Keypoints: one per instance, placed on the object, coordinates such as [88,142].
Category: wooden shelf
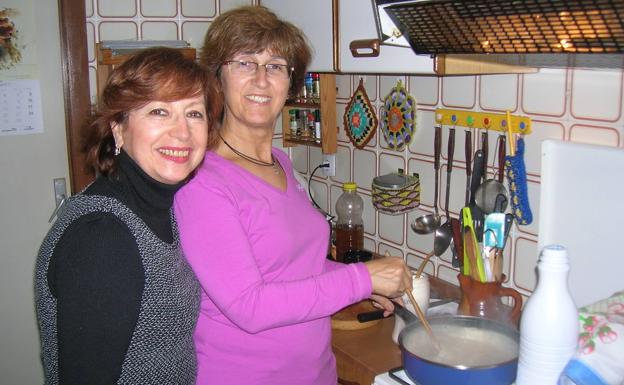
[327,106]
[108,58]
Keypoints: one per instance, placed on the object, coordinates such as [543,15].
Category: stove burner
[400,376]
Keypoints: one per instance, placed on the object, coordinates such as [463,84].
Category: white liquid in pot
[462,346]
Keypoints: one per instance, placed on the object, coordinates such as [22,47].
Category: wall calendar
[20,107]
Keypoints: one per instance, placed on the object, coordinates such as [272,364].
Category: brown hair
[162,74]
[255,29]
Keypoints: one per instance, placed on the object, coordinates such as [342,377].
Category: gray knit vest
[161,350]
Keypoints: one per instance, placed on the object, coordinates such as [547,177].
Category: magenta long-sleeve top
[268,288]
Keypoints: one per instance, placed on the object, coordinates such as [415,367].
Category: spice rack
[325,104]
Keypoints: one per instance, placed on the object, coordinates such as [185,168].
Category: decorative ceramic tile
[159,30]
[369,244]
[316,158]
[533,143]
[422,243]
[342,135]
[605,136]
[596,95]
[89,8]
[368,214]
[320,192]
[459,91]
[544,93]
[160,8]
[116,8]
[425,89]
[448,274]
[91,42]
[343,165]
[382,248]
[414,261]
[390,162]
[422,144]
[498,92]
[334,192]
[364,170]
[391,227]
[117,30]
[427,177]
[92,85]
[198,8]
[525,261]
[226,5]
[193,32]
[457,191]
[299,155]
[386,83]
[370,84]
[343,87]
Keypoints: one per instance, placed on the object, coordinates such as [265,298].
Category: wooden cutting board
[346,319]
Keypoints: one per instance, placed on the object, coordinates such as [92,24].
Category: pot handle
[517,297]
[407,316]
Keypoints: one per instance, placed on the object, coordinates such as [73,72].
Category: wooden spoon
[423,319]
[423,263]
[420,314]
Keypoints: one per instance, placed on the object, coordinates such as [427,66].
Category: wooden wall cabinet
[337,28]
[326,104]
[107,59]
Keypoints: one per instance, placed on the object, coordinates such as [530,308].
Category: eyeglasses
[244,67]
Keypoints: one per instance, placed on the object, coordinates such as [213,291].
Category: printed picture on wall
[10,53]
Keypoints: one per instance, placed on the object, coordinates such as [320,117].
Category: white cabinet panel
[357,22]
[315,19]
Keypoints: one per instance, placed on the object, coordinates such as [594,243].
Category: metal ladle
[444,233]
[426,224]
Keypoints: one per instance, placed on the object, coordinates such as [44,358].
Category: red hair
[154,74]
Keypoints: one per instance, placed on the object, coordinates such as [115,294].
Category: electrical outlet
[331,159]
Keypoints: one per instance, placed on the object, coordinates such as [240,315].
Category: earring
[117,150]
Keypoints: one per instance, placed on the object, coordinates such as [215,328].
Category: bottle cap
[554,254]
[349,186]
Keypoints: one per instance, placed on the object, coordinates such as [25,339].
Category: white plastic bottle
[549,325]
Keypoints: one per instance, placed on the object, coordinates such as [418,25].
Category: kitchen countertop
[362,354]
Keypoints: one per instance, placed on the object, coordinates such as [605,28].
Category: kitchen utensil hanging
[514,162]
[398,117]
[516,177]
[426,224]
[360,120]
[490,192]
[444,233]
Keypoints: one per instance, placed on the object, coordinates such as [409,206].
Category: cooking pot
[473,350]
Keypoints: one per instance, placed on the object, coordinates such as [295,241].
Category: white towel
[600,356]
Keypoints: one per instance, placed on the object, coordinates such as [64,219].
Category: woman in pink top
[249,232]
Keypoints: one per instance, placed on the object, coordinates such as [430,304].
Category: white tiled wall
[569,104]
[578,105]
[150,20]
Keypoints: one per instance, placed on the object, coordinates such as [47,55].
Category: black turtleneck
[97,276]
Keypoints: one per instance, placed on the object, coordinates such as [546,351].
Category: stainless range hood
[555,33]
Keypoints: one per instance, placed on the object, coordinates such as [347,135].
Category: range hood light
[509,26]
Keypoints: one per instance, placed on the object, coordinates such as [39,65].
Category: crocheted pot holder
[359,118]
[398,117]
